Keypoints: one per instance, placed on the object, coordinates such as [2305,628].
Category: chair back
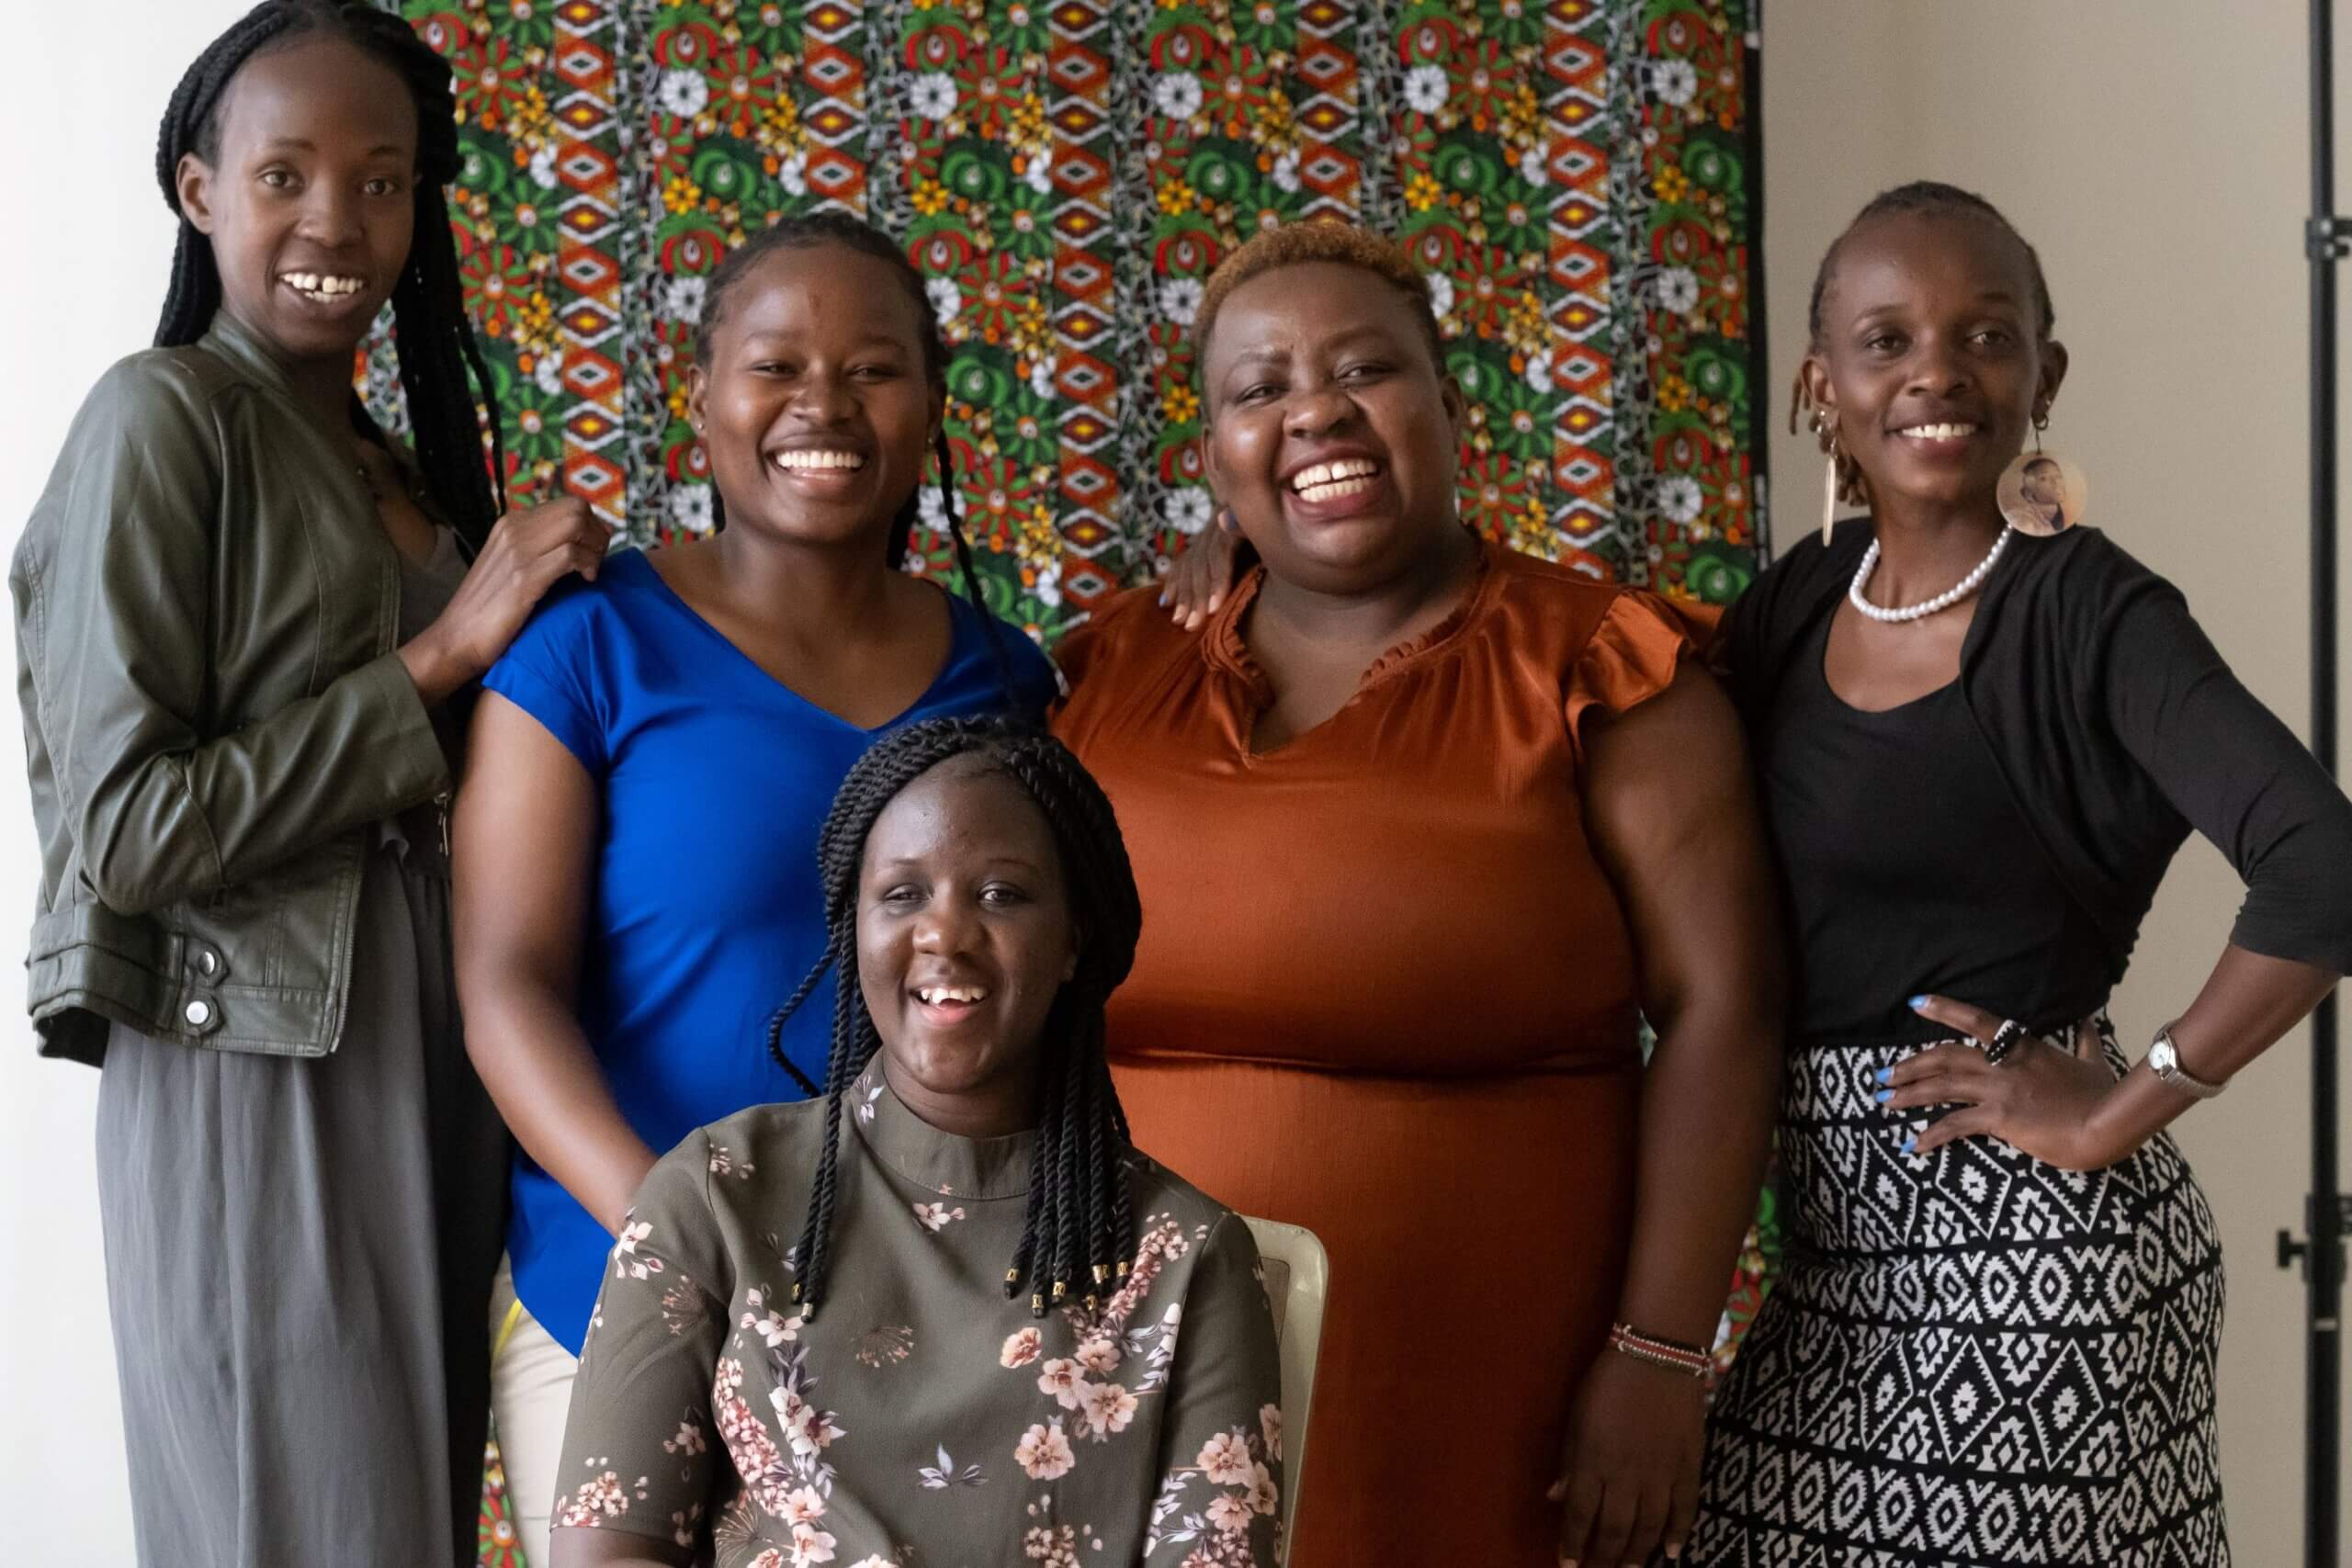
[1298,1278]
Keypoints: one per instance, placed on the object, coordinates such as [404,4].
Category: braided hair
[436,342]
[807,230]
[1080,1221]
[1924,198]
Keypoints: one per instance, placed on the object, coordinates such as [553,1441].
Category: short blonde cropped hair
[1319,240]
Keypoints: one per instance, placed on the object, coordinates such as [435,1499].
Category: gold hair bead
[1013,1276]
[1090,1301]
[1061,1289]
[1123,1267]
[1100,1273]
[1036,1306]
[795,1293]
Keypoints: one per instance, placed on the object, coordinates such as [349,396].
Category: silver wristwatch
[2164,1060]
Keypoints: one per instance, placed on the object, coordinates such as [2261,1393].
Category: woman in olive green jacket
[242,633]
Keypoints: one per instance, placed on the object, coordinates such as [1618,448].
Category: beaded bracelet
[1671,1354]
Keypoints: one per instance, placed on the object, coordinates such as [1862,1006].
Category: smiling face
[1333,434]
[815,404]
[964,940]
[1930,357]
[310,203]
[2040,483]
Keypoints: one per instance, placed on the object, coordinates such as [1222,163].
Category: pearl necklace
[1944,601]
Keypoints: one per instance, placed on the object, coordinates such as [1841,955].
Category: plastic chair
[1298,1276]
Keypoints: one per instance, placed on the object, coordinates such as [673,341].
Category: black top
[2115,727]
[1883,818]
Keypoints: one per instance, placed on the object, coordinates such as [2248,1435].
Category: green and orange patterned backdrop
[1579,179]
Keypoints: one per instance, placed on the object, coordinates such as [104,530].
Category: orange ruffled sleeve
[1635,653]
[1096,640]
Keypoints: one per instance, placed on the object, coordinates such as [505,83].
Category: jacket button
[199,1013]
[208,962]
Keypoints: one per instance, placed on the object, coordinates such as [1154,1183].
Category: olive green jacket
[206,609]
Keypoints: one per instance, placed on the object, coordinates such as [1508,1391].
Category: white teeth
[1333,491]
[322,285]
[1940,431]
[935,995]
[1323,475]
[799,462]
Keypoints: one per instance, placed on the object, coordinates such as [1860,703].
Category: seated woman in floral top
[972,1351]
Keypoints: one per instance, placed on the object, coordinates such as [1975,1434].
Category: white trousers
[530,1393]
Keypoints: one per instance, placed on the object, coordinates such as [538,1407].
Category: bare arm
[1673,819]
[2248,1006]
[523,841]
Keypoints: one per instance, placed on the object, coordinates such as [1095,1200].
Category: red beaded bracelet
[1671,1354]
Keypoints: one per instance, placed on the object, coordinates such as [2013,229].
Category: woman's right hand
[527,550]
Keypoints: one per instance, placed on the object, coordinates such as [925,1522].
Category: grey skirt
[299,1262]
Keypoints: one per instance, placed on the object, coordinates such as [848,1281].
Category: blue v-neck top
[715,779]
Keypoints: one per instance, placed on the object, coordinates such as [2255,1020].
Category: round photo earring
[2041,494]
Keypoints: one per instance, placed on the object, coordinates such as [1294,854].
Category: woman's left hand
[2041,1100]
[1628,1468]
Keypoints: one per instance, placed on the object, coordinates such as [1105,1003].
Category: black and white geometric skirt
[1971,1357]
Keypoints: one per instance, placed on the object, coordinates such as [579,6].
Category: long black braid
[1925,199]
[434,340]
[805,231]
[1081,1219]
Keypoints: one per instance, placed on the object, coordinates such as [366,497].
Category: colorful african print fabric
[1578,179]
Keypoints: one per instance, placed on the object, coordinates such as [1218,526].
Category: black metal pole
[2322,1253]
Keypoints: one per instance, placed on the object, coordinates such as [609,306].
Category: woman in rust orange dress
[1423,827]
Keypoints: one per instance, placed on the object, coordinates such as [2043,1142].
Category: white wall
[81,276]
[2153,151]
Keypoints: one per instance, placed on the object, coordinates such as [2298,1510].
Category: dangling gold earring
[2041,494]
[1825,426]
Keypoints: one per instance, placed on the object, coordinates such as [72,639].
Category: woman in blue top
[635,839]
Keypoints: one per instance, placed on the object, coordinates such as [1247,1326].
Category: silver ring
[2004,1039]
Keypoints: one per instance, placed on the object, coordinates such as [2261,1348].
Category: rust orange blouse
[1385,991]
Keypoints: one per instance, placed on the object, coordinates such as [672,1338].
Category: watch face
[2162,1060]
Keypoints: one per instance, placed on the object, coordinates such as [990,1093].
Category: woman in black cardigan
[1996,1336]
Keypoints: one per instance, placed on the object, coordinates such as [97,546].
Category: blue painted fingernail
[1886,1075]
[1918,1001]
[1164,596]
[1884,1095]
[1909,1144]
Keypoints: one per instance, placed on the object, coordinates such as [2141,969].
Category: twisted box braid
[1925,199]
[436,342]
[1081,1221]
[805,231]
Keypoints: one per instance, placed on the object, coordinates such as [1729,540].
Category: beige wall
[2153,151]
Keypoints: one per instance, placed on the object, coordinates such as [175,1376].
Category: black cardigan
[2117,726]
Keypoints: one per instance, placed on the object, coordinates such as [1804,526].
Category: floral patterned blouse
[922,1418]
